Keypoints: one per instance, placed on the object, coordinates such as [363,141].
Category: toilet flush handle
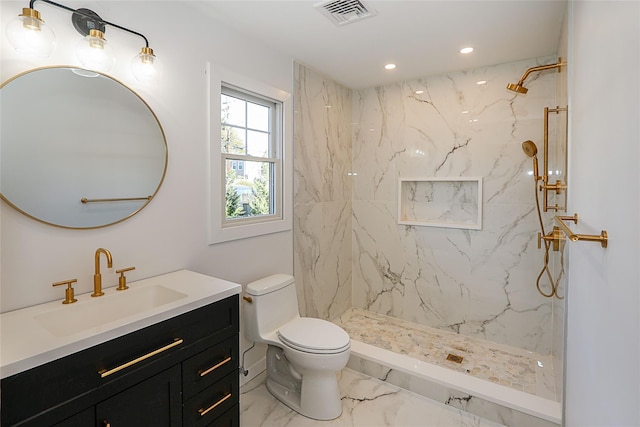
[247,299]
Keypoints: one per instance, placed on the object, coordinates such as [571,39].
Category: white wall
[603,330]
[170,233]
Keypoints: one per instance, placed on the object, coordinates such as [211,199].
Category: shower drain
[454,358]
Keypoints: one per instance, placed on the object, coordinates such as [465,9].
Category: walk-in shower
[410,295]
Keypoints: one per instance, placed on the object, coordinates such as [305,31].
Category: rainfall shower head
[529,148]
[519,88]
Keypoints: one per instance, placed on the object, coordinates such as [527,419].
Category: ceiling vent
[342,12]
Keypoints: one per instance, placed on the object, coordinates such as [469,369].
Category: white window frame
[221,229]
[273,157]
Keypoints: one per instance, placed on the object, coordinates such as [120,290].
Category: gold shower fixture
[519,88]
[545,187]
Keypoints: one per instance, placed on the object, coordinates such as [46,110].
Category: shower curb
[488,400]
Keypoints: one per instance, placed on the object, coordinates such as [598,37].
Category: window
[250,171]
[249,137]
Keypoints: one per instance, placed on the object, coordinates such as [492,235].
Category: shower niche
[454,202]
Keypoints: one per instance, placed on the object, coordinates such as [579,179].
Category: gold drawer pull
[104,373]
[203,412]
[214,367]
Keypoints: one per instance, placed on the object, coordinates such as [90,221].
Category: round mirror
[78,149]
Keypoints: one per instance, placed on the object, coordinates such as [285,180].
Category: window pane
[258,144]
[233,111]
[233,140]
[258,117]
[248,195]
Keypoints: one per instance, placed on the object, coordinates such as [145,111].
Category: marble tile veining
[514,368]
[366,402]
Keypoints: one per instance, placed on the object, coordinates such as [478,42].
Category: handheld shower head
[529,148]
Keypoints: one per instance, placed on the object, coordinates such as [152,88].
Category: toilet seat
[314,336]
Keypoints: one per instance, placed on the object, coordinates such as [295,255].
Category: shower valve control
[554,236]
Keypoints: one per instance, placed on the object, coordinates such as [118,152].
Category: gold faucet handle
[122,280]
[68,293]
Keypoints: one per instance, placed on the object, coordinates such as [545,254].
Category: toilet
[304,354]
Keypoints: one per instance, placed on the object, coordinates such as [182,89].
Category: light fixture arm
[94,18]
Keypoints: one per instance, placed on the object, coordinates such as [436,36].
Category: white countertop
[25,343]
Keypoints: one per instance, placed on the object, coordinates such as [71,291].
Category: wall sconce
[29,35]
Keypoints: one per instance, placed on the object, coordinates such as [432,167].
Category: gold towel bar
[119,199]
[603,238]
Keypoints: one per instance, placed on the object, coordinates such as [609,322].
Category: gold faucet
[97,277]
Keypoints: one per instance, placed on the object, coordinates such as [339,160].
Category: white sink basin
[73,318]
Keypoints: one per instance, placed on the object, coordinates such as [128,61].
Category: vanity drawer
[207,367]
[231,418]
[211,403]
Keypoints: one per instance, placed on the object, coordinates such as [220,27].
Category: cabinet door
[154,403]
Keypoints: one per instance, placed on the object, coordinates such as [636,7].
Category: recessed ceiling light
[466,50]
[418,92]
[390,66]
[481,82]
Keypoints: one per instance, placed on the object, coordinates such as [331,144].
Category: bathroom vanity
[172,363]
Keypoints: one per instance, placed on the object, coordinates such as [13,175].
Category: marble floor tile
[515,368]
[367,402]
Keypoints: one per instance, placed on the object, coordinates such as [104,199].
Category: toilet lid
[314,335]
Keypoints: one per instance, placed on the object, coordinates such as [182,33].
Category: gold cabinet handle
[105,373]
[203,411]
[214,367]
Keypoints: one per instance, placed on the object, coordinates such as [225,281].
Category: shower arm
[540,68]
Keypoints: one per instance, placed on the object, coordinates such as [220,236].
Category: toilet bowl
[304,354]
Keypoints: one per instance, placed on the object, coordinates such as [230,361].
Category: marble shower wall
[322,194]
[474,282]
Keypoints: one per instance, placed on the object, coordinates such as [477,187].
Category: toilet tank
[274,303]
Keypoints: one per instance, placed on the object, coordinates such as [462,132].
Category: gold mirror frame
[88,202]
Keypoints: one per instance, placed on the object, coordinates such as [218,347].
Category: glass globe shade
[94,53]
[145,66]
[29,35]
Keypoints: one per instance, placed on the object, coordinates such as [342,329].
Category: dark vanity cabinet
[180,372]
